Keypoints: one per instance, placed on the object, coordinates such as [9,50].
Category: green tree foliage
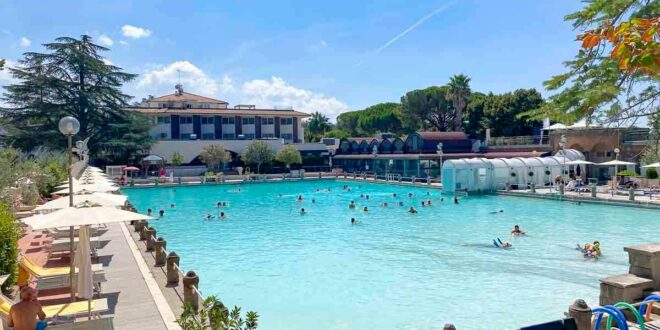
[499,112]
[602,82]
[348,122]
[337,133]
[257,152]
[213,315]
[213,155]
[126,141]
[289,155]
[458,92]
[651,173]
[9,235]
[25,178]
[380,118]
[70,79]
[428,108]
[316,126]
[176,159]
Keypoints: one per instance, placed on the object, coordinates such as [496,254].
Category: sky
[327,56]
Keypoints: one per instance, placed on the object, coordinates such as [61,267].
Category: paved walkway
[126,290]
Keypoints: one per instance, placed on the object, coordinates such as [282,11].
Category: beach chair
[103,323]
[57,277]
[53,312]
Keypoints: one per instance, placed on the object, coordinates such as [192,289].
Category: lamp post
[616,168]
[562,145]
[374,152]
[69,126]
[440,153]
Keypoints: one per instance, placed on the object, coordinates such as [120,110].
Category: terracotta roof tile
[219,112]
[186,97]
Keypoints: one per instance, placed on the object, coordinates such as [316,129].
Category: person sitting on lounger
[23,315]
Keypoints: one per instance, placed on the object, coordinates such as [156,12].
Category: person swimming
[517,231]
[400,203]
[353,221]
[161,213]
[394,195]
[313,200]
[209,216]
[428,202]
[410,195]
[455,199]
[222,215]
[423,203]
[384,204]
[412,210]
[442,199]
[302,211]
[498,211]
[365,209]
[366,196]
[148,211]
[428,193]
[300,198]
[361,195]
[351,205]
[503,245]
[172,205]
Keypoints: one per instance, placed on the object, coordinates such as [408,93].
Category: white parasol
[88,188]
[83,260]
[82,215]
[97,198]
[651,165]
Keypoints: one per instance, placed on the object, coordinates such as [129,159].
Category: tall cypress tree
[70,79]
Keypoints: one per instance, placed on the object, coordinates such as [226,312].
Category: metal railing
[519,140]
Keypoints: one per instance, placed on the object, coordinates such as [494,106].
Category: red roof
[443,135]
[219,112]
[186,97]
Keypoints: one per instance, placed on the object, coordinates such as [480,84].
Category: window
[162,105]
[286,121]
[228,136]
[163,119]
[249,136]
[248,120]
[206,106]
[228,120]
[208,136]
[185,136]
[185,120]
[287,136]
[268,135]
[162,136]
[267,121]
[188,105]
[207,120]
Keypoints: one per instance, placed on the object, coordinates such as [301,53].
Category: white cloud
[25,42]
[264,93]
[161,80]
[105,40]
[278,93]
[135,32]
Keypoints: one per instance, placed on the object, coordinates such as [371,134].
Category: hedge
[9,235]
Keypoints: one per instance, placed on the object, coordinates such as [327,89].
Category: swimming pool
[393,270]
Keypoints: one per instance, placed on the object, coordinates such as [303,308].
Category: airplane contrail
[410,28]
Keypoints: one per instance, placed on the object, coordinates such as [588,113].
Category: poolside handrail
[183,274]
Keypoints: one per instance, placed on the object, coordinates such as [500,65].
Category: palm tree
[459,94]
[317,125]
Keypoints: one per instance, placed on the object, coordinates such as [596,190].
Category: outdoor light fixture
[440,153]
[69,126]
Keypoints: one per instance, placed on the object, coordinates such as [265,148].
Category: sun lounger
[103,323]
[58,277]
[55,311]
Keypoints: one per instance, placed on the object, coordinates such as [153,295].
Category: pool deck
[601,198]
[132,301]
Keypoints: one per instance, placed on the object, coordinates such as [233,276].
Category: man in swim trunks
[516,231]
[23,315]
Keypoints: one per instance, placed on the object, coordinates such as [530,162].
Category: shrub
[627,173]
[8,245]
[214,315]
[651,173]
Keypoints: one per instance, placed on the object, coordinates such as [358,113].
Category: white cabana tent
[474,174]
[98,198]
[653,165]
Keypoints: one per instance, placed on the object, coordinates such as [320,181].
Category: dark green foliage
[348,121]
[8,245]
[651,173]
[69,79]
[380,118]
[127,141]
[316,127]
[428,108]
[499,112]
[213,315]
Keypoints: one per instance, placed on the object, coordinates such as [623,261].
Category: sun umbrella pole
[71,234]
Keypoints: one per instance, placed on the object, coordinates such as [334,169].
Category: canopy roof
[651,165]
[579,162]
[79,216]
[102,199]
[616,163]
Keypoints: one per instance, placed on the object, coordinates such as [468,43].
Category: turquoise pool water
[393,270]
